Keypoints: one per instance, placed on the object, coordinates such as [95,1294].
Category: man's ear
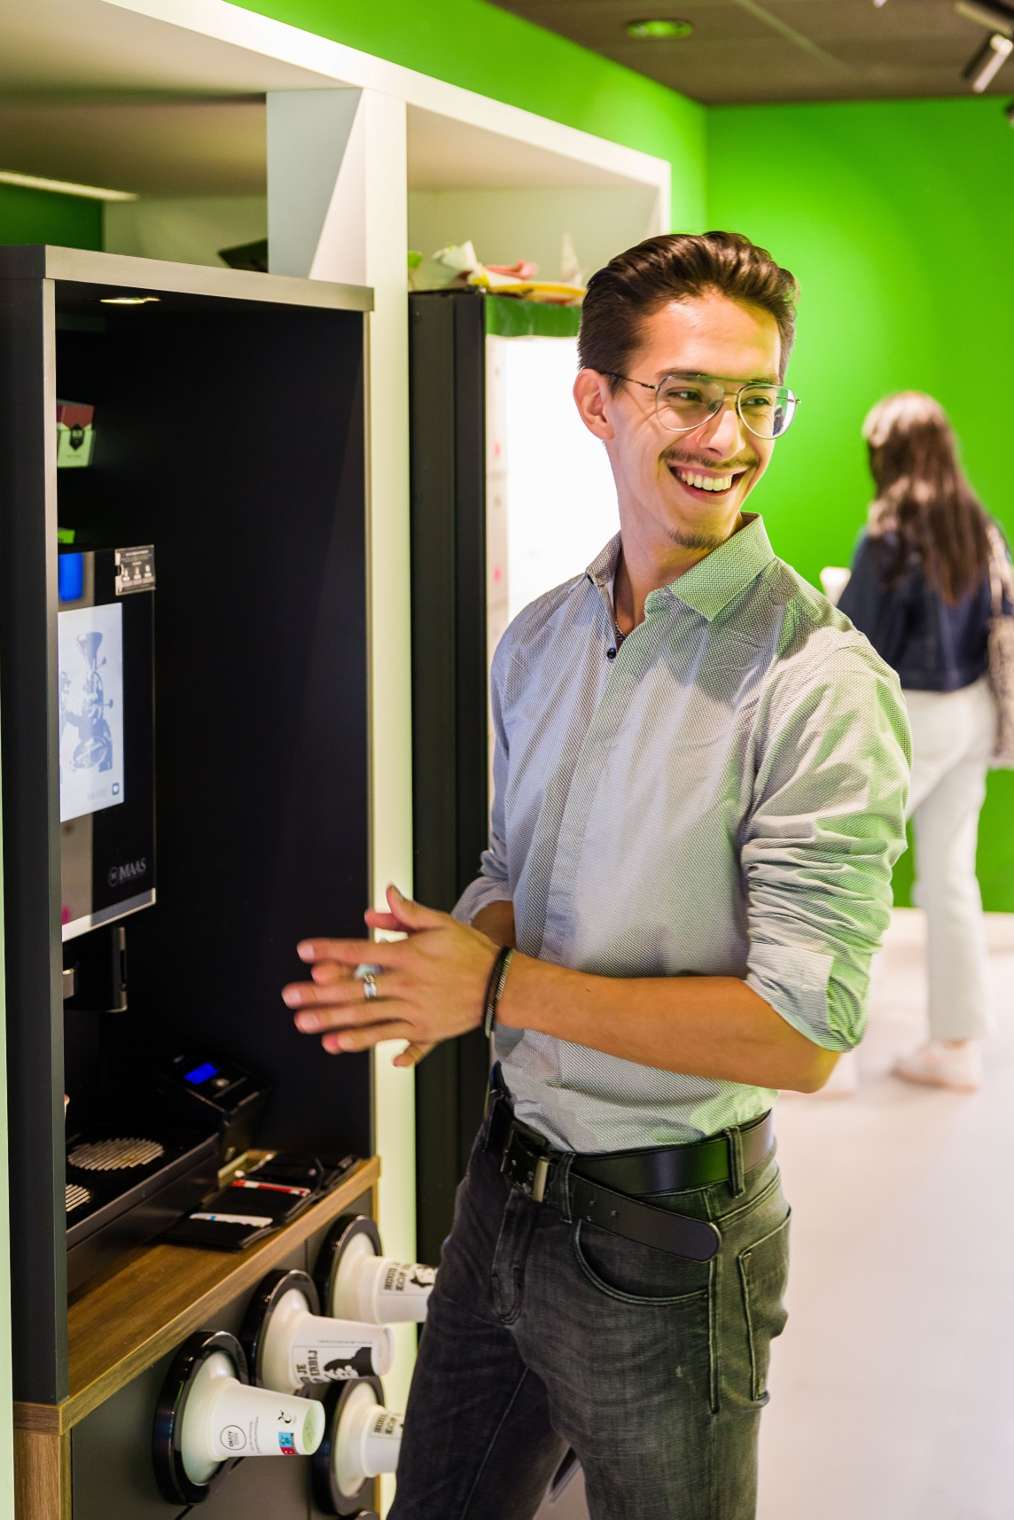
[593,397]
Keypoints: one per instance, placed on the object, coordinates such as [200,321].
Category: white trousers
[952,739]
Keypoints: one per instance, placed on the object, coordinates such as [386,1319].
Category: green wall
[36,216]
[898,220]
[482,48]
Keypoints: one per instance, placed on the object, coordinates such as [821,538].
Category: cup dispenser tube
[362,1441]
[357,1282]
[208,1414]
[290,1345]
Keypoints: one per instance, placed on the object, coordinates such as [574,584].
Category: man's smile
[706,482]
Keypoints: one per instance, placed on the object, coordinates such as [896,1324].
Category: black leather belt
[612,1190]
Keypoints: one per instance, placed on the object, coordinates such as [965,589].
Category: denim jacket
[932,646]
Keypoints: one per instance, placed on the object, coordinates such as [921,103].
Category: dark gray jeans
[543,1334]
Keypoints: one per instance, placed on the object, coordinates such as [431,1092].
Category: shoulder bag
[1000,650]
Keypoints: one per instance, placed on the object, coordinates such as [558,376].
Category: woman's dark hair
[925,509]
[676,267]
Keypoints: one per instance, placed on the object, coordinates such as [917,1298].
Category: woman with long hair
[920,591]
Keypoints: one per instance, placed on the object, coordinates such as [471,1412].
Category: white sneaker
[935,1064]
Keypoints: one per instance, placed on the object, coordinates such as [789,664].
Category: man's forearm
[707,1026]
[496,921]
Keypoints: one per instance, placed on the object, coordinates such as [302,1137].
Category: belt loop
[737,1179]
[562,1188]
[495,1090]
[491,1117]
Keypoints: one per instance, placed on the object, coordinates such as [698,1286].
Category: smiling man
[701,771]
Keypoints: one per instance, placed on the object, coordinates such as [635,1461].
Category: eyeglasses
[685,402]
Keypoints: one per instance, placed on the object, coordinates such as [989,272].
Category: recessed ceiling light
[63,187]
[127,300]
[659,29]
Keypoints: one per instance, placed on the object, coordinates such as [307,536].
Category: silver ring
[370,987]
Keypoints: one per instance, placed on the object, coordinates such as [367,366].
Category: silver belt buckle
[539,1178]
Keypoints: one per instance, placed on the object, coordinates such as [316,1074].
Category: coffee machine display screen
[91,710]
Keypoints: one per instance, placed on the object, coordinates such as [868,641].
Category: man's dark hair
[675,267]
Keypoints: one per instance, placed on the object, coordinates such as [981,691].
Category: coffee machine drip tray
[117,1155]
[76,1196]
[127,1181]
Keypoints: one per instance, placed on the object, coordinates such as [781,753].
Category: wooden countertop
[126,1323]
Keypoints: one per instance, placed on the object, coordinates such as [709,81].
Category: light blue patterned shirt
[724,796]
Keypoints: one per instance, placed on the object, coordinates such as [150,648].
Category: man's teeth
[705,482]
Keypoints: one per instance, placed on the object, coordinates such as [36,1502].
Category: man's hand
[430,985]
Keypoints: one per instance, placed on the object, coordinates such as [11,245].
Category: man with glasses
[701,772]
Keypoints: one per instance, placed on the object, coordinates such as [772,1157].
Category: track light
[983,67]
[993,16]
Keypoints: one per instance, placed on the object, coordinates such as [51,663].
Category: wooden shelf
[127,1322]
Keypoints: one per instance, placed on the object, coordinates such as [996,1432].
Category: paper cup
[224,1418]
[366,1441]
[395,1292]
[381,1442]
[301,1348]
[380,1291]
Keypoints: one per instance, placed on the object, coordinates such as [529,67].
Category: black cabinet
[230,434]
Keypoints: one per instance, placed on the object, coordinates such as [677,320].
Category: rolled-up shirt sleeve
[826,827]
[493,883]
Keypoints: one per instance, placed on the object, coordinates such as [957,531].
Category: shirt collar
[714,581]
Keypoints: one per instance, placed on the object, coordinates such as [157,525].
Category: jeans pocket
[632,1273]
[763,1275]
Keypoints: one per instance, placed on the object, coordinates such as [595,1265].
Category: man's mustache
[690,462]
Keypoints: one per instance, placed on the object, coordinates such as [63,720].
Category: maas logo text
[131,870]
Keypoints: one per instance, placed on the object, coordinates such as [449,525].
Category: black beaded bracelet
[494,988]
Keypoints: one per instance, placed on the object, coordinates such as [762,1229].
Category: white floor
[893,1386]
